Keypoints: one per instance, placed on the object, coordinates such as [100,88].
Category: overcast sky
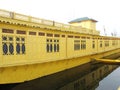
[106,12]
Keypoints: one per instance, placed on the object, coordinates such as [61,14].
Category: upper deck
[24,20]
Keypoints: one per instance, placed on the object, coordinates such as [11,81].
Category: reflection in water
[118,88]
[90,80]
[111,82]
[83,77]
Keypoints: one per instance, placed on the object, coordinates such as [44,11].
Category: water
[111,82]
[84,77]
[90,76]
[100,77]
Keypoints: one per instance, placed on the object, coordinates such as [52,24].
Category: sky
[106,12]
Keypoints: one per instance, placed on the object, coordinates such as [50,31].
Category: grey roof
[82,19]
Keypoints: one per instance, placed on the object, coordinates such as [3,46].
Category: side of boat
[32,47]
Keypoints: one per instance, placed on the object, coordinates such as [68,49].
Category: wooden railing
[66,27]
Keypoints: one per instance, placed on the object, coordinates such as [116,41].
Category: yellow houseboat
[31,47]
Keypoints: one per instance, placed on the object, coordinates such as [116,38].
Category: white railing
[47,22]
[21,17]
[58,24]
[66,27]
[5,13]
[36,20]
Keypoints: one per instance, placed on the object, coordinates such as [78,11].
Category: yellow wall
[36,46]
[37,58]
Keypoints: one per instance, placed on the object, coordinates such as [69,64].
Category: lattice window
[5,49]
[7,45]
[52,45]
[20,45]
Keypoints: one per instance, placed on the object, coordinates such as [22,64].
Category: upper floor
[85,27]
[85,22]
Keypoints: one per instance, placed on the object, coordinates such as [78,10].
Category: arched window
[55,48]
[20,45]
[11,48]
[4,38]
[23,48]
[18,48]
[17,39]
[50,47]
[5,48]
[7,43]
[47,47]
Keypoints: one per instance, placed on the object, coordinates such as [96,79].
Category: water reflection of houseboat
[84,77]
[90,80]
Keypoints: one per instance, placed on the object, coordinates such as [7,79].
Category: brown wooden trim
[77,36]
[7,31]
[21,32]
[88,37]
[100,38]
[63,35]
[70,36]
[56,35]
[83,37]
[94,38]
[32,33]
[41,34]
[49,35]
[106,38]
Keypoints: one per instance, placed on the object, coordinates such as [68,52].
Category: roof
[82,19]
